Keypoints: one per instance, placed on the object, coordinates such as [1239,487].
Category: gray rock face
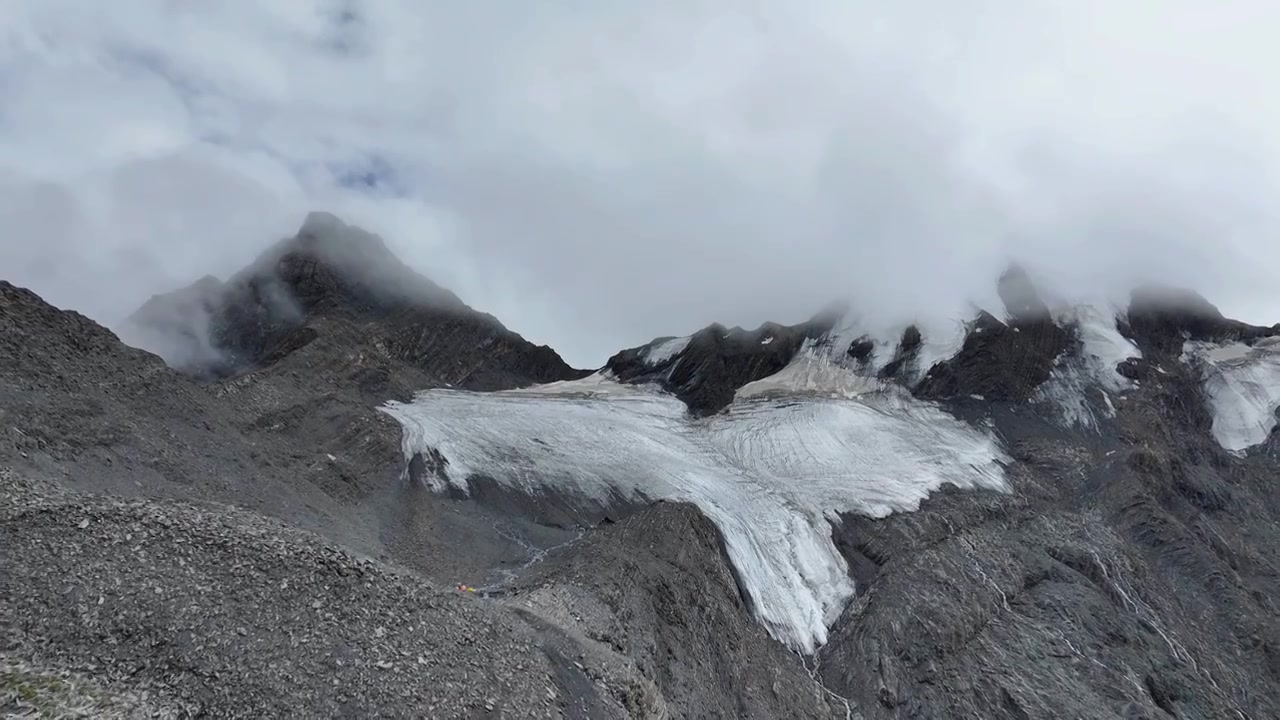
[999,361]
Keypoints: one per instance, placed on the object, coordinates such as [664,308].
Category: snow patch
[940,340]
[1243,387]
[772,473]
[660,352]
[1103,346]
[812,373]
[1093,369]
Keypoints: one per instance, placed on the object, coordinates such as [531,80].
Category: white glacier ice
[1102,348]
[1243,387]
[663,351]
[940,339]
[771,472]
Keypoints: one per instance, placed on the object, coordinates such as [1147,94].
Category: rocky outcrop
[1003,360]
[712,364]
[1161,319]
[999,361]
[716,362]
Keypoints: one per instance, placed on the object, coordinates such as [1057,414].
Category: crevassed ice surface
[772,473]
[1243,387]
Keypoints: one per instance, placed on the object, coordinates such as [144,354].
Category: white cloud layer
[598,173]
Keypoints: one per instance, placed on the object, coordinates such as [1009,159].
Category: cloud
[596,174]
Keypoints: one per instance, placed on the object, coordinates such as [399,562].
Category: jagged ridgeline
[1041,509]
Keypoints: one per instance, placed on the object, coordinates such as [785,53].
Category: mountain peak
[1162,318]
[319,222]
[331,277]
[1021,299]
[329,263]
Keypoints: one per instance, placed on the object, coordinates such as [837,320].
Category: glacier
[773,471]
[1242,383]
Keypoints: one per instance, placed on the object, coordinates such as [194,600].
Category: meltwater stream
[771,471]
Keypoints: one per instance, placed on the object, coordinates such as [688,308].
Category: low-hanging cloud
[596,174]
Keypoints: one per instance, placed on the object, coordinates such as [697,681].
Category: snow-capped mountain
[776,432]
[1050,507]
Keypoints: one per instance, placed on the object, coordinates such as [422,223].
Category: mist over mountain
[599,176]
[363,358]
[792,520]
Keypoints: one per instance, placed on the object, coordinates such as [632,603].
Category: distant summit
[340,282]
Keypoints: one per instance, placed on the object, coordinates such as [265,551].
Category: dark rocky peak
[1161,319]
[331,265]
[338,282]
[1021,299]
[705,369]
[1003,360]
[905,356]
[1000,361]
[862,350]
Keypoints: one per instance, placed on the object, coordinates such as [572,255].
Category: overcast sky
[599,172]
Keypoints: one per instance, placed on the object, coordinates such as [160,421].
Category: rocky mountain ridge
[999,359]
[1127,571]
[331,270]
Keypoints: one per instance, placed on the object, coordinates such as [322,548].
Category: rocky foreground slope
[247,537]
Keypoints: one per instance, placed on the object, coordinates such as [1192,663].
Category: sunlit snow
[771,472]
[1243,386]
